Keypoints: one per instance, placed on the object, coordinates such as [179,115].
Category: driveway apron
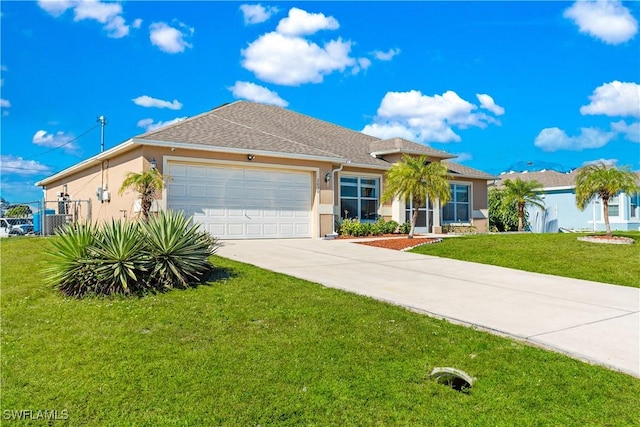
[590,321]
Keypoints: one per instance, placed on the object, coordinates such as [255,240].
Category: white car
[15,227]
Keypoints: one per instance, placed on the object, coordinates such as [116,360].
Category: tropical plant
[503,217]
[179,250]
[120,261]
[599,180]
[70,267]
[18,211]
[129,257]
[145,184]
[417,179]
[520,193]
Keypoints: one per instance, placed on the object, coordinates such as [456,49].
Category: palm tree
[145,184]
[600,180]
[521,193]
[417,179]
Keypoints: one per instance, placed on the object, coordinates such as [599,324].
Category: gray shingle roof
[261,127]
[402,145]
[548,179]
[458,169]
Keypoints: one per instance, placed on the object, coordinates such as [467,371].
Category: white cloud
[147,101]
[461,157]
[614,99]
[424,118]
[254,92]
[17,165]
[169,39]
[488,103]
[300,23]
[256,13]
[55,140]
[137,23]
[554,139]
[607,20]
[55,8]
[630,132]
[149,125]
[108,14]
[293,61]
[361,64]
[608,162]
[389,130]
[386,56]
[4,103]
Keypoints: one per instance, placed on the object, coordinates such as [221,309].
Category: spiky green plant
[600,180]
[120,261]
[70,267]
[418,179]
[179,250]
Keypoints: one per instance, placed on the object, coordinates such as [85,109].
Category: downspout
[333,195]
[43,211]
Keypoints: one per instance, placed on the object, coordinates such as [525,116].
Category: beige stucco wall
[82,185]
[109,175]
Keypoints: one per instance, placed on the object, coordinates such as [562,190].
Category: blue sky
[497,83]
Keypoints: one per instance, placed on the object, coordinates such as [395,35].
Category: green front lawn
[560,254]
[258,348]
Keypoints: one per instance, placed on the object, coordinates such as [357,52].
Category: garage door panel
[235,203]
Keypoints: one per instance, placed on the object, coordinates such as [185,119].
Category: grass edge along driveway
[256,347]
[559,254]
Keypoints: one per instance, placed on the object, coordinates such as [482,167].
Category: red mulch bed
[392,241]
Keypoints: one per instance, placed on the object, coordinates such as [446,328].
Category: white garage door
[242,203]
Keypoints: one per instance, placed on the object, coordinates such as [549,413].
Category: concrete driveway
[590,321]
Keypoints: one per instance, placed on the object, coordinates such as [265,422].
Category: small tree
[145,184]
[600,180]
[417,179]
[503,217]
[520,193]
[18,211]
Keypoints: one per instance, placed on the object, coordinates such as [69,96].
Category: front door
[425,217]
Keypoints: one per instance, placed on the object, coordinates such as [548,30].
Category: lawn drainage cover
[452,377]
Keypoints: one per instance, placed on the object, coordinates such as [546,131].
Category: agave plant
[119,258]
[179,250]
[70,266]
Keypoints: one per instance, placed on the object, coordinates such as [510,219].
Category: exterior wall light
[251,157]
[153,164]
[327,177]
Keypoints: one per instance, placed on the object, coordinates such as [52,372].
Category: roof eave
[88,162]
[229,150]
[409,151]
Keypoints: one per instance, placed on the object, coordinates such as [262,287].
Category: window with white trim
[614,206]
[458,209]
[359,198]
[634,201]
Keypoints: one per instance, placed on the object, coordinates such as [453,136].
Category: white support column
[437,226]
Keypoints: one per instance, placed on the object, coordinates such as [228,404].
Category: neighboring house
[559,195]
[248,170]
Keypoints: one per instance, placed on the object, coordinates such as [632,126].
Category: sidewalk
[586,320]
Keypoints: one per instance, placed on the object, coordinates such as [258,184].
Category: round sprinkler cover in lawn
[452,377]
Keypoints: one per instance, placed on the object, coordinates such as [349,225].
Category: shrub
[70,267]
[120,260]
[180,251]
[347,226]
[129,257]
[404,228]
[390,227]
